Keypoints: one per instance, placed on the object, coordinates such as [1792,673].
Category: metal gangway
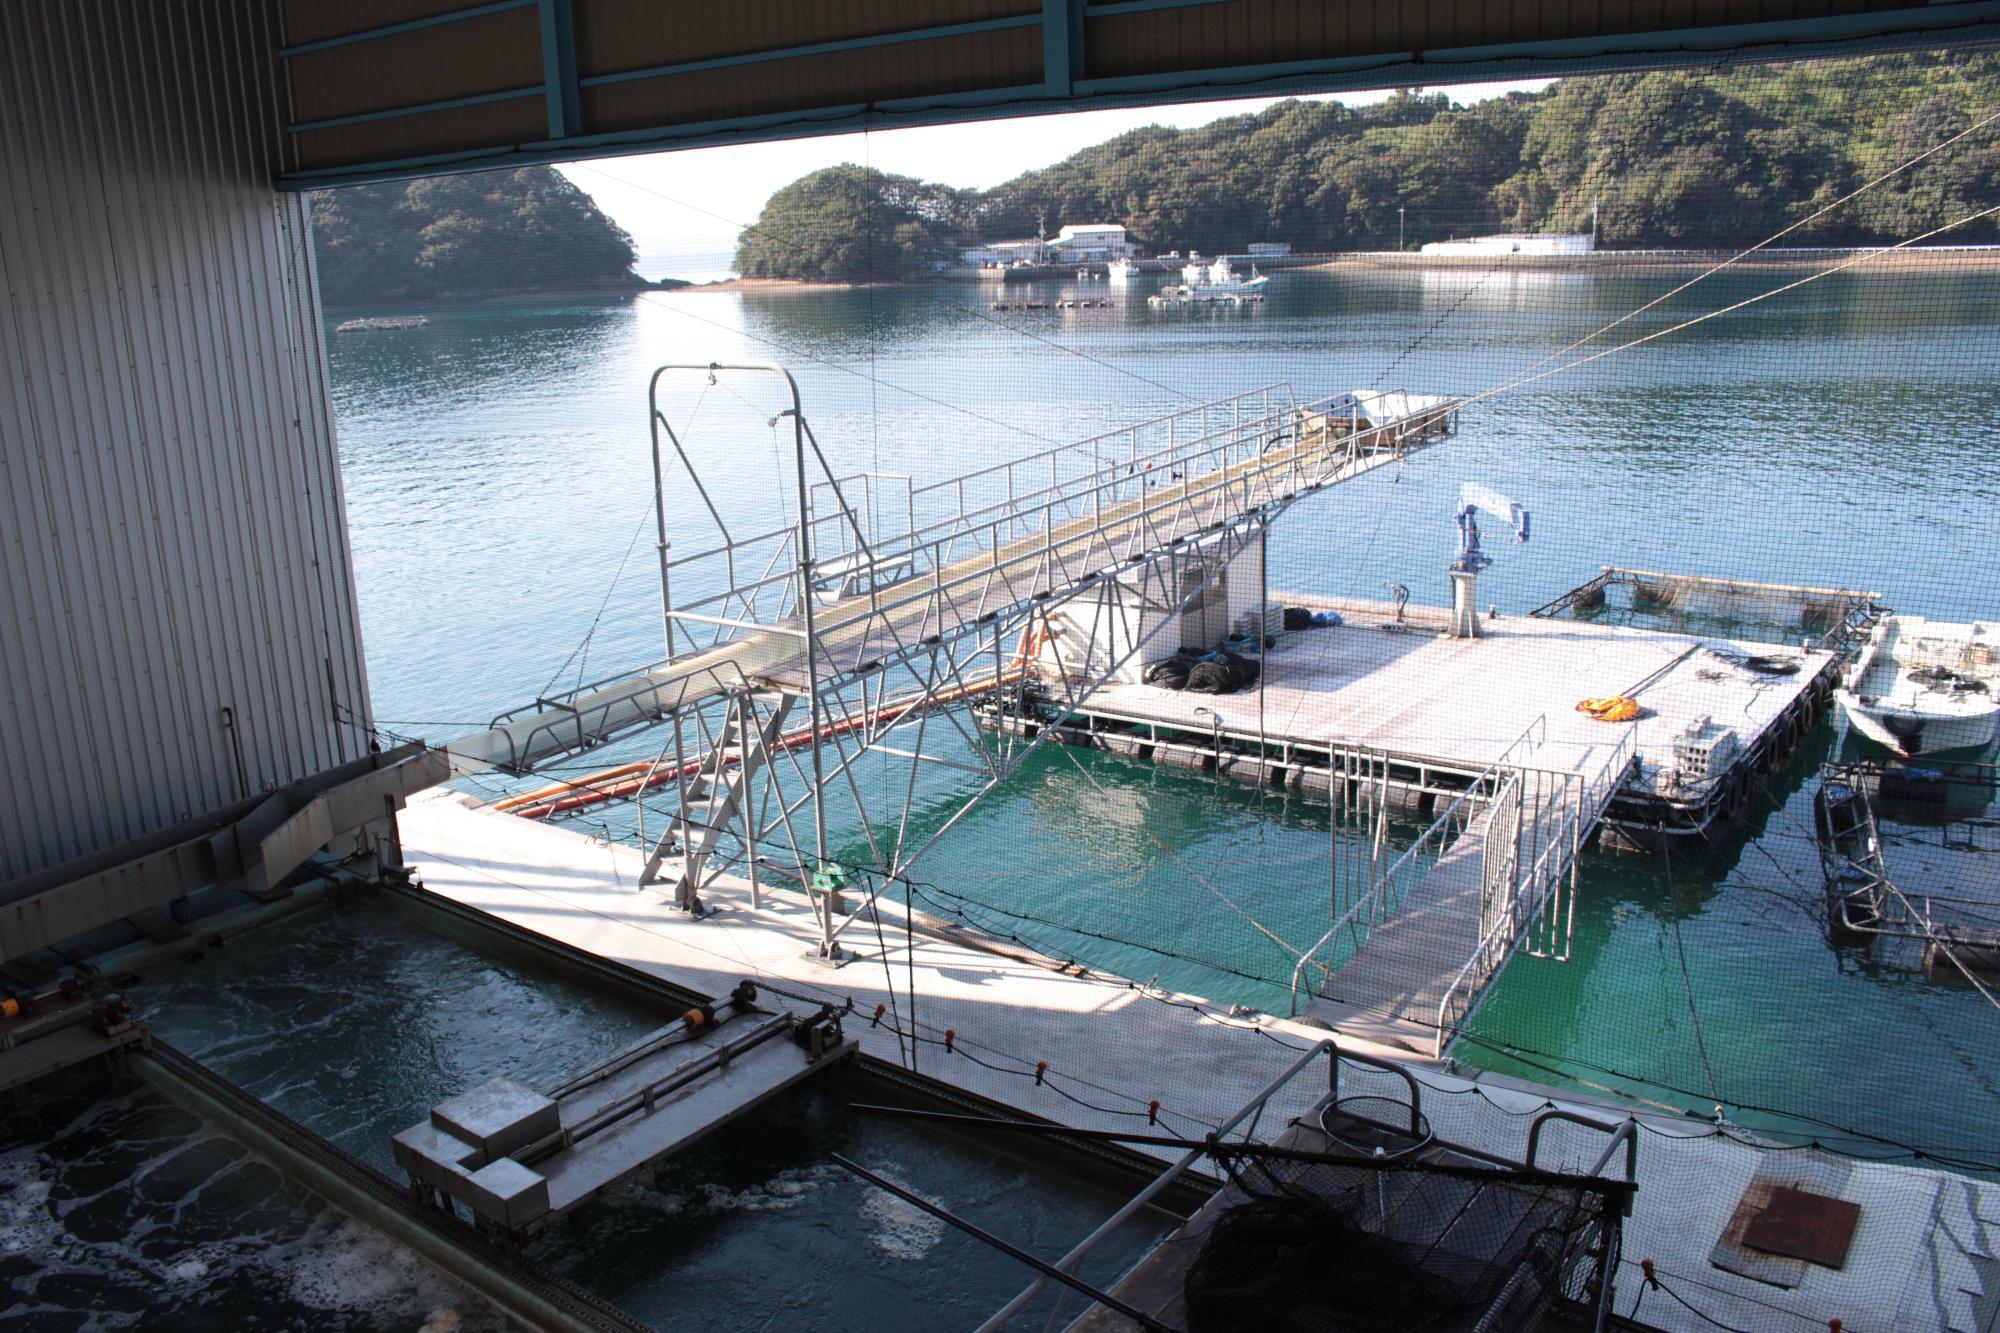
[1419,938]
[848,629]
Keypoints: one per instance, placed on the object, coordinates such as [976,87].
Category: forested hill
[1689,160]
[504,233]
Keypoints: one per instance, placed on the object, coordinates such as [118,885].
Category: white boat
[1121,270]
[1920,686]
[1221,280]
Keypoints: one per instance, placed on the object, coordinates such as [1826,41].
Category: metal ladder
[714,794]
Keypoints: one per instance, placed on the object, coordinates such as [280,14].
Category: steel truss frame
[876,634]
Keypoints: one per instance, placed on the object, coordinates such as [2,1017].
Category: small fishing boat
[1221,280]
[1121,270]
[1922,686]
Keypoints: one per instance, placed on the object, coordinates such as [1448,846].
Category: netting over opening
[1435,614]
[1365,1247]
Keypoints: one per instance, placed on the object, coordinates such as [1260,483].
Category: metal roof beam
[1062,45]
[1067,84]
[410,25]
[1772,40]
[816,49]
[398,112]
[559,83]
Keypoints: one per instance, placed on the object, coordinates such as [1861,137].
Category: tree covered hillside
[503,233]
[1669,159]
[850,223]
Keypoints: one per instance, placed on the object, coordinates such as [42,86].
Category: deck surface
[1458,704]
[1112,1048]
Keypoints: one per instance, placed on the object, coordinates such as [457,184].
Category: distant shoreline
[1909,257]
[780,285]
[419,304]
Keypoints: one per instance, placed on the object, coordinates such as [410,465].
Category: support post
[1464,604]
[814,708]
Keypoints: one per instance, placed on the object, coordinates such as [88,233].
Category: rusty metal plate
[1800,1225]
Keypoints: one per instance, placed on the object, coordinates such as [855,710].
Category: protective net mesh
[1347,1245]
[1114,838]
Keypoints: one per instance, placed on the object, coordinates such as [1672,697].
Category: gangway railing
[1391,885]
[970,568]
[1518,852]
[840,612]
[1561,821]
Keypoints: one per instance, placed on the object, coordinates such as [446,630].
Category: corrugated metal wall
[172,537]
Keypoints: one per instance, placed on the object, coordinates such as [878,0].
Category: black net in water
[1346,1245]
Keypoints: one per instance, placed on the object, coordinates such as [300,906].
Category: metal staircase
[716,792]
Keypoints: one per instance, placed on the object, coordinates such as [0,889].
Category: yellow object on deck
[1611,708]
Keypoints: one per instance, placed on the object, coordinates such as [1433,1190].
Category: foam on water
[114,1210]
[898,1227]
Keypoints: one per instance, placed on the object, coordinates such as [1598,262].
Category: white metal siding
[172,536]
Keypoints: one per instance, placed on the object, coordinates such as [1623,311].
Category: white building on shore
[1090,243]
[1078,243]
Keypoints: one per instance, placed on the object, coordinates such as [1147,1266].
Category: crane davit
[1472,499]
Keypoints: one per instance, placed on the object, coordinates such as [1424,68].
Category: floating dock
[383,324]
[1442,711]
[1172,298]
[519,1158]
[1482,737]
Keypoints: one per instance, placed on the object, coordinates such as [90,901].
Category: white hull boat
[1923,686]
[1120,270]
[1221,280]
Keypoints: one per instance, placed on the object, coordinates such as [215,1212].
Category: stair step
[1958,1282]
[1957,1203]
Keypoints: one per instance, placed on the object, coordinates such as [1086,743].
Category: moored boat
[1221,280]
[1923,686]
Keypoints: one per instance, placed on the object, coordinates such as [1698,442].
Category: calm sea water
[1846,433]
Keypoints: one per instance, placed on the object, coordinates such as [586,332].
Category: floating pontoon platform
[1442,710]
[517,1157]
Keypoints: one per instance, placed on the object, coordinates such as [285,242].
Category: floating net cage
[1359,1245]
[1827,618]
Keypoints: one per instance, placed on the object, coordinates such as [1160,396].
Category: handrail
[1382,881]
[1219,480]
[1572,818]
[1625,1131]
[1098,477]
[1105,477]
[1126,431]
